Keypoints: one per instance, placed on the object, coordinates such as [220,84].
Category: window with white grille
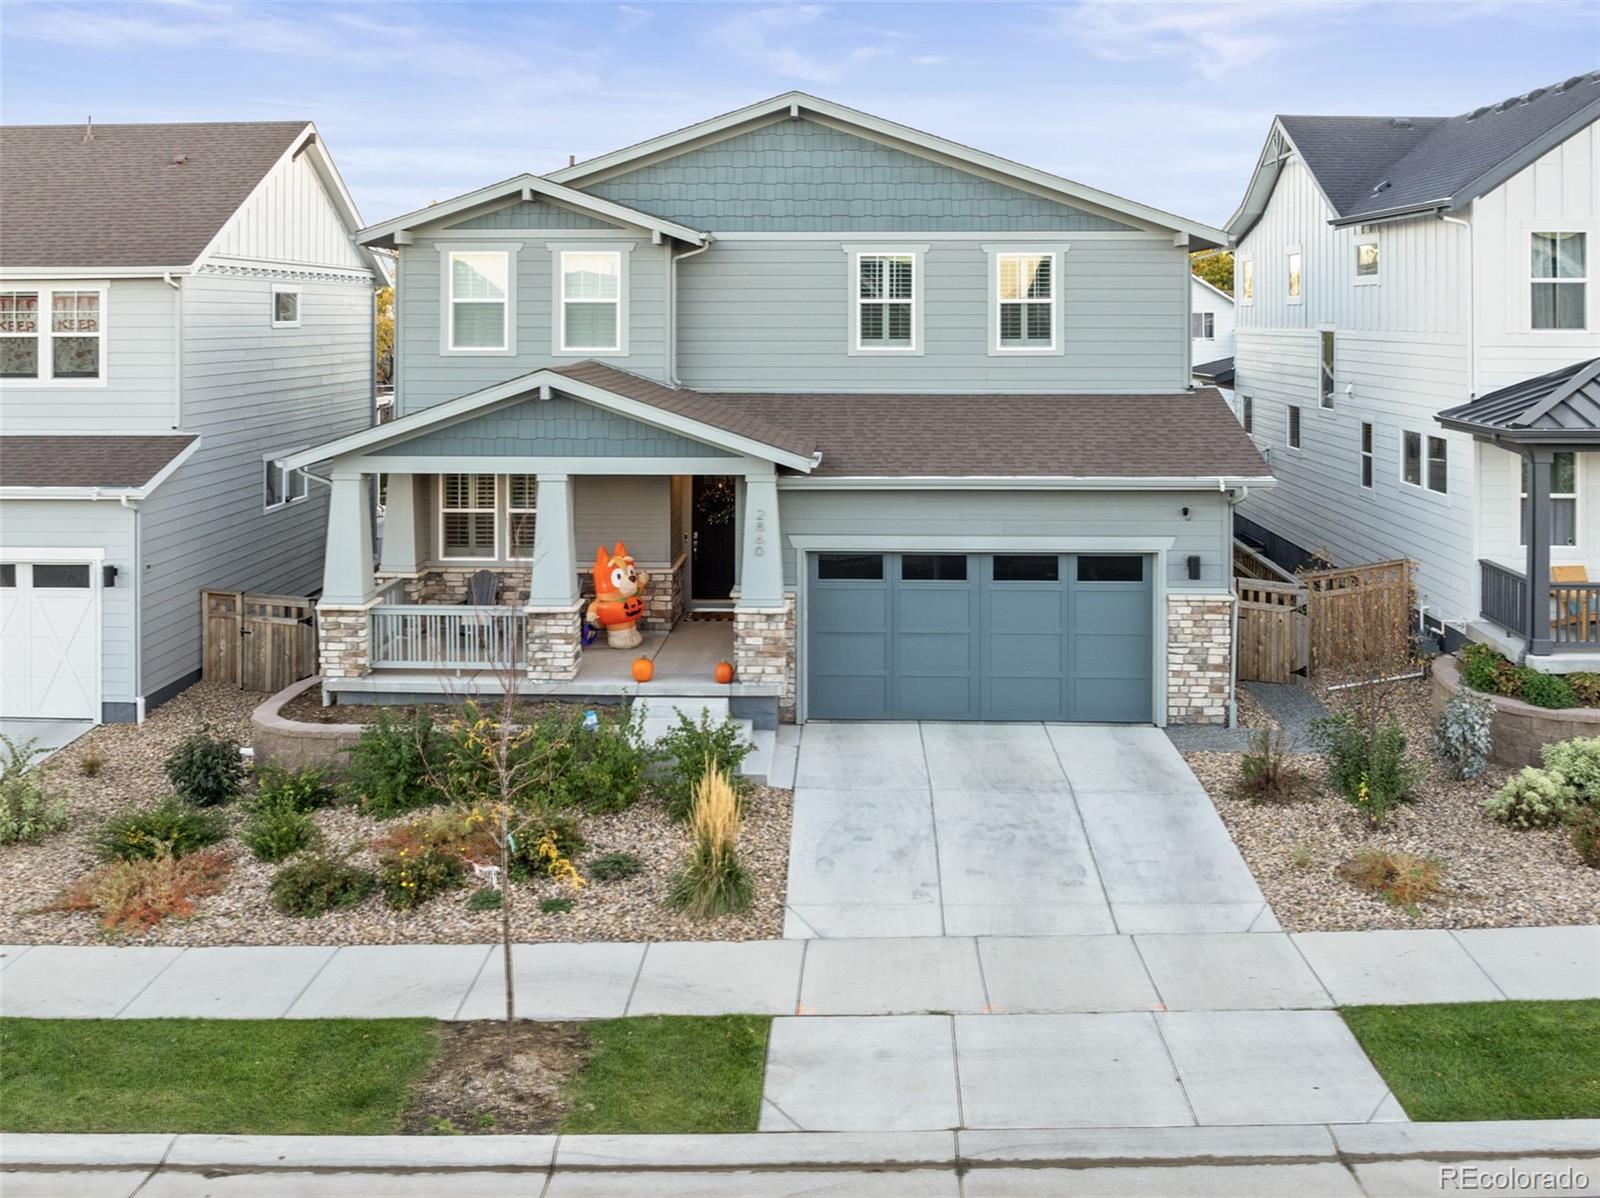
[1203,326]
[53,334]
[886,298]
[591,301]
[522,491]
[1559,280]
[1025,286]
[479,285]
[467,516]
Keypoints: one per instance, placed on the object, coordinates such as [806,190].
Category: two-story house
[1414,320]
[179,306]
[916,421]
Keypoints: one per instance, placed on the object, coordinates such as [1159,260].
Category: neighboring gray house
[1388,270]
[179,306]
[916,421]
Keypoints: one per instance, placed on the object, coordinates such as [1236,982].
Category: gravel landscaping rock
[32,876]
[1496,877]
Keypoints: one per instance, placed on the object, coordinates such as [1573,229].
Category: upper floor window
[1366,455]
[479,289]
[1325,370]
[1026,299]
[53,334]
[1367,259]
[1203,326]
[1292,439]
[285,307]
[1247,413]
[1563,500]
[1559,280]
[1295,281]
[591,301]
[1434,473]
[1247,280]
[886,301]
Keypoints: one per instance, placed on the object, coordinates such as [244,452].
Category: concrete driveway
[50,734]
[1007,830]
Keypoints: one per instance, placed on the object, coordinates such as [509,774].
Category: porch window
[467,516]
[1027,304]
[479,284]
[1559,279]
[521,495]
[591,301]
[886,294]
[1432,472]
[1563,500]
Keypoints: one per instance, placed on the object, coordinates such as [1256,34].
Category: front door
[712,504]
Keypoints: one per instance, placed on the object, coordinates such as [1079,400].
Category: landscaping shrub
[1549,690]
[713,881]
[695,748]
[1578,763]
[486,898]
[602,770]
[408,879]
[1532,799]
[1586,687]
[1586,836]
[317,884]
[277,831]
[31,805]
[206,767]
[171,828]
[1405,879]
[388,770]
[614,867]
[1264,776]
[134,896]
[1480,667]
[555,906]
[299,790]
[90,762]
[1368,768]
[1461,736]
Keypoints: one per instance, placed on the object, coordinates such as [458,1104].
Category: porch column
[555,607]
[763,619]
[347,561]
[1538,526]
[761,562]
[401,544]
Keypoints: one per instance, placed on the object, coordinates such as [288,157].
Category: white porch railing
[432,636]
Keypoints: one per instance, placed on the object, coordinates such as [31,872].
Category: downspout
[672,308]
[1472,392]
[1234,499]
[177,347]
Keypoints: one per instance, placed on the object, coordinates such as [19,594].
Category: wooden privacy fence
[1273,626]
[258,642]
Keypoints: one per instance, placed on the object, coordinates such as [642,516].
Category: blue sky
[1166,103]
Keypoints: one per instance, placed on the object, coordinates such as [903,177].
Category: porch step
[661,716]
[667,708]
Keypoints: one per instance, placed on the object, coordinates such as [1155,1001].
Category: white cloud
[930,60]
[764,36]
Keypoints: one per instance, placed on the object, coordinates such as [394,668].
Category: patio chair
[483,591]
[1573,609]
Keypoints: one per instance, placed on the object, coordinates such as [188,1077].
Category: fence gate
[1274,631]
[1361,614]
[258,642]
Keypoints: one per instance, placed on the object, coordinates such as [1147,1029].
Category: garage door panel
[850,698]
[850,652]
[1098,611]
[49,641]
[1110,700]
[1038,609]
[931,697]
[1025,699]
[940,607]
[848,607]
[1024,654]
[1111,656]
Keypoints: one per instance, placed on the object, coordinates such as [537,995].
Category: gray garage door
[979,636]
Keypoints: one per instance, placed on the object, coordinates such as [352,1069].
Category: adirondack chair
[1574,608]
[483,592]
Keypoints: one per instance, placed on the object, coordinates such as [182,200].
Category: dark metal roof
[1369,166]
[1562,406]
[1218,373]
[27,460]
[134,195]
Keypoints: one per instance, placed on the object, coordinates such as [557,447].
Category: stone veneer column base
[555,642]
[1199,658]
[764,651]
[344,645]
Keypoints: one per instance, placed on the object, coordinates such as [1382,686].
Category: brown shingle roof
[1183,435]
[119,200]
[125,461]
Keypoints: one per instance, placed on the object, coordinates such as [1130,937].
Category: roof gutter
[25,273]
[1022,482]
[1425,208]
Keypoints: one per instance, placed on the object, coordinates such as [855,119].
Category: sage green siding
[557,427]
[533,214]
[798,175]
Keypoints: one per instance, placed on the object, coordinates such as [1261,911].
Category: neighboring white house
[179,305]
[1210,321]
[1387,269]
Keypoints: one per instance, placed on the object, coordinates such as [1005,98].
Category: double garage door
[49,640]
[979,636]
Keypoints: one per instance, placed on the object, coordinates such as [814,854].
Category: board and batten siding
[775,316]
[140,392]
[290,219]
[428,375]
[80,524]
[886,515]
[249,390]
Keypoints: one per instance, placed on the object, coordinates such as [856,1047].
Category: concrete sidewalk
[1048,975]
[1328,1160]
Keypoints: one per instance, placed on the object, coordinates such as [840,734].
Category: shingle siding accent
[533,214]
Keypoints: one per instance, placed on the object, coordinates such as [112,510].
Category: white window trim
[1588,246]
[1246,264]
[1289,254]
[1206,319]
[1291,425]
[1362,280]
[46,355]
[447,346]
[1247,414]
[1058,254]
[1327,405]
[286,289]
[1421,485]
[1367,464]
[853,256]
[498,508]
[558,326]
[512,513]
[284,477]
[1575,549]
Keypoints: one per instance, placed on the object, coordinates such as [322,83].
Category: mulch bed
[1495,876]
[307,708]
[631,909]
[468,1090]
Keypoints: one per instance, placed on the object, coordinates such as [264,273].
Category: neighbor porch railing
[433,636]
[1574,607]
[1505,597]
[1575,616]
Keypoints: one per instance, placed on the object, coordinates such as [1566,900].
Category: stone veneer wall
[1519,730]
[764,651]
[663,595]
[555,642]
[343,646]
[1199,658]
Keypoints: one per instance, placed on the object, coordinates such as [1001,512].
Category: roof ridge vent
[1400,122]
[1568,84]
[1508,105]
[1534,95]
[1477,112]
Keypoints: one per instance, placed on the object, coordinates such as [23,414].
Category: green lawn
[1487,1060]
[671,1074]
[352,1076]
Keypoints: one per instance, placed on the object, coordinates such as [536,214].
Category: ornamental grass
[712,881]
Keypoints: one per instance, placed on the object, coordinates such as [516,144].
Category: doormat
[708,615]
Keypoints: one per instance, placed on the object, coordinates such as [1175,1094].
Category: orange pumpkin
[643,669]
[724,672]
